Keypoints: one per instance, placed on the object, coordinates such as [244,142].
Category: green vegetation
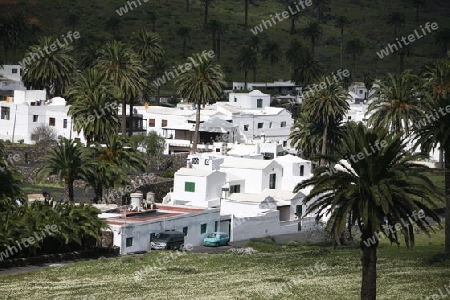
[403,274]
[372,22]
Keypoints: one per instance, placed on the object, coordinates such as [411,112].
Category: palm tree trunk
[206,12]
[447,195]
[246,12]
[342,48]
[98,195]
[369,270]
[68,190]
[184,48]
[130,128]
[124,118]
[197,128]
[324,143]
[245,79]
[187,5]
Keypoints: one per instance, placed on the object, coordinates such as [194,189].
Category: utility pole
[14,126]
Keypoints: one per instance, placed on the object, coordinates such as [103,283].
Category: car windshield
[213,235]
[162,236]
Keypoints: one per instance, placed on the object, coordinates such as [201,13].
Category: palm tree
[217,29]
[247,60]
[123,68]
[405,51]
[396,103]
[342,22]
[187,5]
[443,39]
[295,52]
[368,83]
[272,52]
[52,71]
[354,48]
[326,105]
[321,6]
[72,20]
[152,17]
[11,180]
[205,15]
[305,136]
[307,69]
[418,4]
[312,31]
[396,19]
[148,46]
[202,83]
[113,25]
[434,133]
[355,193]
[93,106]
[247,4]
[184,33]
[292,19]
[66,162]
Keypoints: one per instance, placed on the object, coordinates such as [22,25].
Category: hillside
[368,24]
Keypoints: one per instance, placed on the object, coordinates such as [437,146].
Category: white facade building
[29,109]
[132,232]
[10,78]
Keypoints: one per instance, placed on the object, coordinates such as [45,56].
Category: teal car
[216,239]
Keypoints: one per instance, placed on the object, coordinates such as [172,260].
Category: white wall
[260,226]
[249,100]
[140,232]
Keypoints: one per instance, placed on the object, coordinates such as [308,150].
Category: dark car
[168,240]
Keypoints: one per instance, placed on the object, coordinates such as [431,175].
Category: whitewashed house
[29,109]
[133,231]
[11,79]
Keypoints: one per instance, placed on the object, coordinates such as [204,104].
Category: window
[217,149]
[152,236]
[260,125]
[203,228]
[245,127]
[283,124]
[51,121]
[349,118]
[64,123]
[163,123]
[185,231]
[272,181]
[216,226]
[235,99]
[302,170]
[14,71]
[360,92]
[129,242]
[206,162]
[270,125]
[5,113]
[259,103]
[189,186]
[35,118]
[151,123]
[235,188]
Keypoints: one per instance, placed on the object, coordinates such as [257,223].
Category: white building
[245,118]
[29,109]
[280,87]
[254,195]
[10,78]
[133,231]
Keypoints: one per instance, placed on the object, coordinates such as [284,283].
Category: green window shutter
[129,242]
[203,228]
[189,186]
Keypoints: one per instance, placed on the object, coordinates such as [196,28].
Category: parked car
[169,239]
[216,239]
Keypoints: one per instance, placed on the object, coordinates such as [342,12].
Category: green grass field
[276,272]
